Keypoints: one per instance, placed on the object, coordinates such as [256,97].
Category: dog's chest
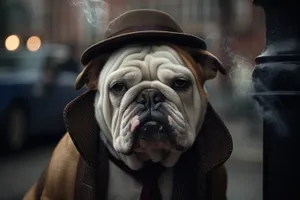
[123,186]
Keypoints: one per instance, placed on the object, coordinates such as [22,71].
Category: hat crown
[141,20]
[138,26]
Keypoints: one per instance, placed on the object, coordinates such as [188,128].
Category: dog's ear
[90,74]
[208,63]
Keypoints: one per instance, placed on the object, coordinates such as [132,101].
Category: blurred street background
[40,46]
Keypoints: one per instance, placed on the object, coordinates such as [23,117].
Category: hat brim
[109,45]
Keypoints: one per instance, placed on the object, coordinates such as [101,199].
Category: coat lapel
[84,182]
[214,142]
[83,129]
[80,121]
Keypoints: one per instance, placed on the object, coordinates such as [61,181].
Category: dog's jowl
[145,129]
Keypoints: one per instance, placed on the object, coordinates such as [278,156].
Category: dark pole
[277,89]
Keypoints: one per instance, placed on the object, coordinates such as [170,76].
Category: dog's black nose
[150,97]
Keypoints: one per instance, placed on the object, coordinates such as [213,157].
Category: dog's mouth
[151,130]
[152,135]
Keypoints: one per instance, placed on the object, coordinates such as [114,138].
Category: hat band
[144,28]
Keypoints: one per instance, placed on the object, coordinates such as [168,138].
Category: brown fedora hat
[138,26]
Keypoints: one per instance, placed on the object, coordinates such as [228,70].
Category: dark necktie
[148,176]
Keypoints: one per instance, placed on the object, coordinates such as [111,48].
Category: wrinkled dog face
[148,105]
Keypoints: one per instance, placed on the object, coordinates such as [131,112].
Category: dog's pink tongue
[134,123]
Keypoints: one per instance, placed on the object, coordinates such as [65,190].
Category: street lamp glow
[12,42]
[33,43]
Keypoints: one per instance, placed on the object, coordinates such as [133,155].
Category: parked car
[33,93]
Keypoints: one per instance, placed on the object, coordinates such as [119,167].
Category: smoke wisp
[95,12]
[240,75]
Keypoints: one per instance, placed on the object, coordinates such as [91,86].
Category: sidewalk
[245,148]
[244,167]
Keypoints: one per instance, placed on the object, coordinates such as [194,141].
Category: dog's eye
[118,88]
[181,84]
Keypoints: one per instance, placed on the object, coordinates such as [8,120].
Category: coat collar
[213,143]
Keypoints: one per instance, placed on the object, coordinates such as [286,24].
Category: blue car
[33,93]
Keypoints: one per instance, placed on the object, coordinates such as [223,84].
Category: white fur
[146,67]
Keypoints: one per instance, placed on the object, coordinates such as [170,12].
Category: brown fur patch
[90,73]
[190,63]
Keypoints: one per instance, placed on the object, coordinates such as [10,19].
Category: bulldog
[144,129]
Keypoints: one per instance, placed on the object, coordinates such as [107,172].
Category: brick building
[233,24]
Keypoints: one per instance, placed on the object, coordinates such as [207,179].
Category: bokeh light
[33,43]
[12,42]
